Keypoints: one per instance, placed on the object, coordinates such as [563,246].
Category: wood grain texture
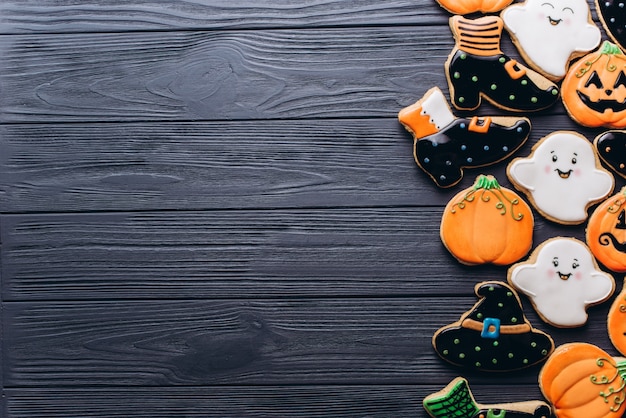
[224,165]
[292,253]
[240,401]
[35,16]
[254,342]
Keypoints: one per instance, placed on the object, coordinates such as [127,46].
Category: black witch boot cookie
[444,145]
[477,68]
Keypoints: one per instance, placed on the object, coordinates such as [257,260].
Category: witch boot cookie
[477,68]
[444,145]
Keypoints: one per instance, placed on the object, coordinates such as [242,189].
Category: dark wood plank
[240,401]
[359,72]
[254,342]
[230,254]
[35,16]
[221,165]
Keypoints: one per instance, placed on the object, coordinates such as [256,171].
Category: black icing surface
[613,14]
[611,147]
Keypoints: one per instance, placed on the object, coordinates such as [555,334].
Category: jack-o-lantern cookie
[606,232]
[594,89]
[611,147]
[494,335]
[616,321]
[562,279]
[456,400]
[445,145]
[477,68]
[581,380]
[550,33]
[487,224]
[462,7]
[612,14]
[562,177]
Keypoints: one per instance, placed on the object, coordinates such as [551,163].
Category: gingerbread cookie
[445,145]
[462,7]
[477,68]
[487,224]
[550,33]
[562,177]
[582,380]
[612,14]
[456,400]
[562,279]
[494,335]
[594,89]
[616,322]
[606,232]
[611,147]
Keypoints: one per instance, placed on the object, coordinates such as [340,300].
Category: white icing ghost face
[549,32]
[562,282]
[562,177]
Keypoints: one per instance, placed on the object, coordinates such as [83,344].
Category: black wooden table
[209,209]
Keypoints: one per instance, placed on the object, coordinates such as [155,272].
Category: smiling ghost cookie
[551,33]
[594,89]
[444,145]
[494,335]
[562,177]
[562,279]
[456,401]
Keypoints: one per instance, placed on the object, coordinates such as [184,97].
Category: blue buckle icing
[491,328]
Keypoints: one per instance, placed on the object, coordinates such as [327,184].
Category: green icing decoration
[488,186]
[456,403]
[615,394]
[609,49]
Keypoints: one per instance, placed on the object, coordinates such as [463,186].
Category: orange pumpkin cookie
[583,381]
[487,224]
[594,89]
[462,7]
[606,232]
[616,322]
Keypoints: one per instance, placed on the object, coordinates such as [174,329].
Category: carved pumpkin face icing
[616,322]
[606,232]
[594,90]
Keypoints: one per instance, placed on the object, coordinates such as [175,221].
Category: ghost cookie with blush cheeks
[562,177]
[562,279]
[445,145]
[550,33]
[494,335]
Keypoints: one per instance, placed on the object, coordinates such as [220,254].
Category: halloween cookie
[456,400]
[612,14]
[550,33]
[477,68]
[562,279]
[487,224]
[494,335]
[594,89]
[562,177]
[463,7]
[582,380]
[611,147]
[445,145]
[616,322]
[606,232]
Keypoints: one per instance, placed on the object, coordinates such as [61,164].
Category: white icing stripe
[436,106]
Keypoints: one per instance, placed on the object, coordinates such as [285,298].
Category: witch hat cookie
[494,335]
[456,401]
[477,68]
[445,145]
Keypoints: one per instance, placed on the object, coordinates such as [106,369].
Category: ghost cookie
[562,279]
[612,14]
[494,335]
[581,380]
[445,145]
[606,232]
[456,400]
[487,224]
[562,177]
[611,147]
[594,88]
[477,68]
[550,33]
